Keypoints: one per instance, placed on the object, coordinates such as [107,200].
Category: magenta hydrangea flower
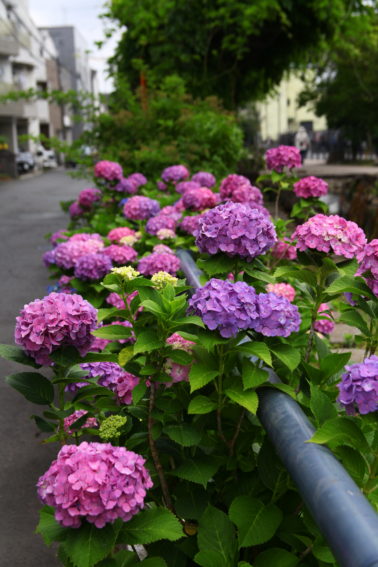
[120,255]
[140,208]
[204,178]
[199,199]
[237,230]
[310,187]
[75,211]
[170,211]
[126,185]
[330,234]
[174,173]
[116,300]
[93,267]
[48,258]
[179,205]
[56,320]
[155,262]
[276,316]
[89,196]
[238,188]
[69,421]
[185,185]
[190,225]
[283,156]
[327,325]
[138,178]
[68,253]
[154,224]
[228,307]
[58,236]
[359,387]
[178,372]
[161,186]
[109,170]
[84,236]
[284,251]
[124,386]
[282,289]
[368,262]
[162,249]
[116,234]
[95,482]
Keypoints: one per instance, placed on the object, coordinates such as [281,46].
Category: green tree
[235,50]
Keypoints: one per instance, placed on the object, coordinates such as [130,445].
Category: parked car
[25,162]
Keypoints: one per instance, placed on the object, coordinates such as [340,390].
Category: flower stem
[276,204]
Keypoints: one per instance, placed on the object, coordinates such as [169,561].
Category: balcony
[8,46]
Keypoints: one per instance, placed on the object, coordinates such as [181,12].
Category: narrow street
[29,208]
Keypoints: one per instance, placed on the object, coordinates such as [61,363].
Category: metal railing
[341,511]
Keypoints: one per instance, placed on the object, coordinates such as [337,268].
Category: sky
[83,14]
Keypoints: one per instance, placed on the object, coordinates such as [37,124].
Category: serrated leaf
[125,355]
[276,557]
[258,349]
[112,332]
[185,434]
[16,354]
[216,540]
[340,431]
[252,375]
[200,470]
[87,545]
[288,355]
[217,264]
[200,374]
[256,521]
[201,405]
[151,525]
[33,386]
[147,341]
[246,398]
[48,527]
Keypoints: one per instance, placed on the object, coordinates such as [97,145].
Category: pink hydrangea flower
[84,236]
[282,289]
[190,224]
[75,210]
[174,173]
[124,386]
[120,255]
[67,254]
[330,234]
[96,482]
[138,178]
[56,320]
[199,199]
[238,188]
[178,372]
[171,211]
[57,236]
[89,196]
[324,326]
[71,419]
[116,234]
[109,170]
[153,263]
[162,249]
[161,186]
[140,208]
[310,187]
[185,185]
[283,156]
[368,262]
[116,300]
[284,251]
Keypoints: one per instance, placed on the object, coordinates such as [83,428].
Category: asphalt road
[29,208]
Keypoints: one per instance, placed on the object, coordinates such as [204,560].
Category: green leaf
[125,355]
[201,405]
[149,526]
[288,355]
[33,386]
[321,406]
[217,264]
[333,363]
[48,527]
[185,434]
[340,431]
[252,375]
[354,319]
[190,320]
[277,557]
[125,558]
[247,399]
[256,521]
[88,545]
[10,352]
[112,332]
[106,313]
[100,357]
[353,461]
[210,339]
[191,500]
[200,470]
[153,562]
[152,307]
[258,349]
[147,341]
[349,284]
[200,374]
[216,540]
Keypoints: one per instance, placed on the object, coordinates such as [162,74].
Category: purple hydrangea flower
[237,230]
[138,178]
[48,258]
[155,262]
[56,320]
[185,185]
[154,224]
[199,199]
[190,225]
[140,208]
[161,186]
[310,187]
[120,255]
[238,188]
[359,387]
[107,373]
[96,482]
[204,178]
[171,211]
[124,386]
[174,173]
[276,316]
[89,196]
[57,236]
[75,210]
[109,170]
[368,262]
[75,416]
[283,156]
[126,185]
[68,253]
[84,236]
[93,267]
[228,307]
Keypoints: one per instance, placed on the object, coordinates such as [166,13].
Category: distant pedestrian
[302,142]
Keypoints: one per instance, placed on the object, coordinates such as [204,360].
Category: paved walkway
[320,168]
[28,209]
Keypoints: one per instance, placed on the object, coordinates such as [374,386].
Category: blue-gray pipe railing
[341,511]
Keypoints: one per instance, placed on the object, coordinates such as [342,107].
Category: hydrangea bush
[151,388]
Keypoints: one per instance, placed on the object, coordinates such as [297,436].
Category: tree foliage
[236,50]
